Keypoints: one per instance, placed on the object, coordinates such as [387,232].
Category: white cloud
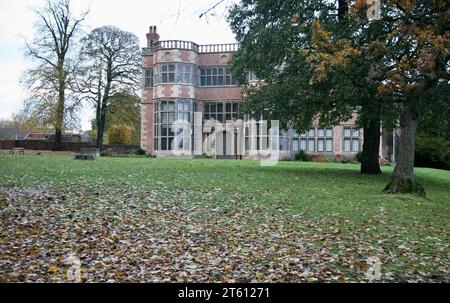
[176,19]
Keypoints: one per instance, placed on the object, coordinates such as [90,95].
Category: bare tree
[112,64]
[52,47]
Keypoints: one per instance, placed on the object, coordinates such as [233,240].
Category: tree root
[405,186]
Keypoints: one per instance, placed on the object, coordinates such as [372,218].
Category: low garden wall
[66,146]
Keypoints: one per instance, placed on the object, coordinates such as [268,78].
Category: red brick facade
[164,68]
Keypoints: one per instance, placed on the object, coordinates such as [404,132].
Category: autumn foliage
[119,134]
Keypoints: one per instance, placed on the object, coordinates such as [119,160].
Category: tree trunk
[104,106]
[99,142]
[59,119]
[403,180]
[342,9]
[370,163]
[101,129]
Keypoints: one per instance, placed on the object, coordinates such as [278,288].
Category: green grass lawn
[149,220]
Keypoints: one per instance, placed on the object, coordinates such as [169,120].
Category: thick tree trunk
[403,180]
[370,163]
[59,119]
[104,106]
[342,9]
[101,129]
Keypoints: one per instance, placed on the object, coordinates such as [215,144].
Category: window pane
[329,145]
[163,143]
[355,145]
[329,132]
[311,132]
[303,144]
[311,145]
[355,132]
[347,143]
[164,131]
[347,132]
[219,107]
[320,145]
[171,118]
[320,132]
[295,145]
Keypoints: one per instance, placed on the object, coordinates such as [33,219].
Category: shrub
[319,158]
[140,152]
[119,134]
[358,157]
[107,153]
[344,159]
[302,156]
[432,152]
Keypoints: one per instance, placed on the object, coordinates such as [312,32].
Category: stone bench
[88,154]
[19,150]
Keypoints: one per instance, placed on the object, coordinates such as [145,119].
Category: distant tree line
[102,68]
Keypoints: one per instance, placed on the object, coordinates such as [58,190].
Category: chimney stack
[152,36]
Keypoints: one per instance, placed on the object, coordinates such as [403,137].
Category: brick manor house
[181,77]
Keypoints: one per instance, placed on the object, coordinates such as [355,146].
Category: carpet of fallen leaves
[132,235]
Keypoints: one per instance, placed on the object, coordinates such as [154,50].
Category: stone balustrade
[187,45]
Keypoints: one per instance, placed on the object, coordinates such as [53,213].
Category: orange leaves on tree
[329,54]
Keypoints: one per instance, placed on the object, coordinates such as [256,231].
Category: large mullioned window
[166,113]
[351,140]
[308,142]
[216,76]
[221,111]
[176,73]
[184,73]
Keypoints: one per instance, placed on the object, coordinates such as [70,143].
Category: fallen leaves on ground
[131,234]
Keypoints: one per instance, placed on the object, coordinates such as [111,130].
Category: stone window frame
[176,73]
[325,138]
[166,112]
[351,134]
[306,138]
[221,111]
[211,76]
[308,141]
[148,77]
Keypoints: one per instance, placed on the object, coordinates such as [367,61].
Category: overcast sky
[176,19]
